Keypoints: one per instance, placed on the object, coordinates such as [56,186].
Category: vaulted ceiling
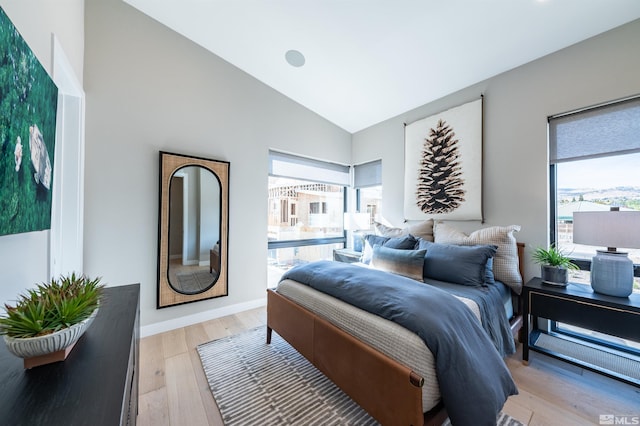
[369,60]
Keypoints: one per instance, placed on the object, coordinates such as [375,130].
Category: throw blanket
[474,380]
[494,319]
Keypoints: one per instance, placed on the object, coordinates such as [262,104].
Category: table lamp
[611,270]
[355,222]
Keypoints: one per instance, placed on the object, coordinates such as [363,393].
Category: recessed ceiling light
[294,58]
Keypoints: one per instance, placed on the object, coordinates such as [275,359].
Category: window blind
[293,166]
[367,174]
[605,130]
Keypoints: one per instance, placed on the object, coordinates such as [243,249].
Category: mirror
[193,227]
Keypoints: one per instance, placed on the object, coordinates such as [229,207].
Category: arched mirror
[193,226]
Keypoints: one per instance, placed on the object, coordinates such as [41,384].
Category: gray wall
[149,89]
[24,258]
[516,106]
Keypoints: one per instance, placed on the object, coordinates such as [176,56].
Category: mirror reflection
[194,230]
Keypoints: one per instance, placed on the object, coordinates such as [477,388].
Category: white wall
[516,106]
[149,89]
[38,19]
[24,258]
[209,213]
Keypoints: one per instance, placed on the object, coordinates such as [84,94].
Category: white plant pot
[30,347]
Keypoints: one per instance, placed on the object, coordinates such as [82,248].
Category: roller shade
[606,130]
[367,174]
[293,166]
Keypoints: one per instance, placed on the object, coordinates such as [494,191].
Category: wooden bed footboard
[389,391]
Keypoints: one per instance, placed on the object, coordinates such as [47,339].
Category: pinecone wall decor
[440,186]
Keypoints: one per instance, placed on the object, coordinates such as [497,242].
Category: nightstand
[578,305]
[346,255]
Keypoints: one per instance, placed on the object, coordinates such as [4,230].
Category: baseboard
[161,327]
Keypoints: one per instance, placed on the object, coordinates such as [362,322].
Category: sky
[600,173]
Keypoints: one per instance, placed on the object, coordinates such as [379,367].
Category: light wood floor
[174,391]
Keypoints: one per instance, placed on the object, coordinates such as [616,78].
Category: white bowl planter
[59,341]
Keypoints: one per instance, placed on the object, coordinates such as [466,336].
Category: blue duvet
[474,380]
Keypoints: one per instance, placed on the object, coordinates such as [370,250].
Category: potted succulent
[47,321]
[554,265]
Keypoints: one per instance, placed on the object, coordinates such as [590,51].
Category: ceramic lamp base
[612,273]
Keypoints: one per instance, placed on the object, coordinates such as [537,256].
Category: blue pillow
[466,265]
[398,261]
[489,277]
[408,242]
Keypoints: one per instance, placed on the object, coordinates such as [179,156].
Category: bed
[395,379]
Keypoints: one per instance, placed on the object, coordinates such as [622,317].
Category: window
[313,192]
[369,200]
[283,209]
[368,184]
[594,157]
[318,207]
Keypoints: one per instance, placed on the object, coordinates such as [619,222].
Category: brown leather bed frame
[389,391]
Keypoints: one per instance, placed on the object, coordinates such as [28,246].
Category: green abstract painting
[28,106]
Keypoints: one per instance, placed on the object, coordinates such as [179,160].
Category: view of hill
[623,196]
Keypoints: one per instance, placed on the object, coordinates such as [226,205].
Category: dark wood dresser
[96,385]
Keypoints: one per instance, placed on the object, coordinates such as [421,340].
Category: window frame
[313,164]
[583,264]
[366,175]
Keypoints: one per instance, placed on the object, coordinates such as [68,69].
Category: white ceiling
[370,60]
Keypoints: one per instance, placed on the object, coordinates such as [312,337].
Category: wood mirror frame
[168,295]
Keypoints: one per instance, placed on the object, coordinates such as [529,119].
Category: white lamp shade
[607,228]
[356,221]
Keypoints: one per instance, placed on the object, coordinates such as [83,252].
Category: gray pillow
[466,265]
[398,261]
[408,242]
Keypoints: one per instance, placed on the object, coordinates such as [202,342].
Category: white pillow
[422,230]
[505,262]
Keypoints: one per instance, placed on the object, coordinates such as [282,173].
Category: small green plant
[52,306]
[553,257]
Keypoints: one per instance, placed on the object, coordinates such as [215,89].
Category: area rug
[258,384]
[194,282]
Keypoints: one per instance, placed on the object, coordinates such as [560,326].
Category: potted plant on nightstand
[554,265]
[47,321]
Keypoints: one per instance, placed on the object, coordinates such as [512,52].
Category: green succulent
[553,256]
[52,306]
